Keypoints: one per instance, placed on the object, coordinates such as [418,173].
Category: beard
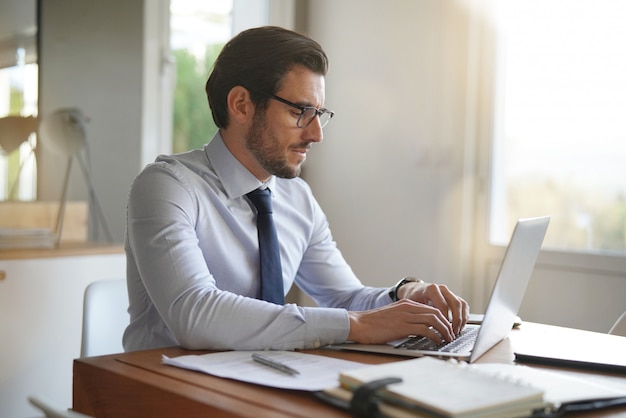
[266,148]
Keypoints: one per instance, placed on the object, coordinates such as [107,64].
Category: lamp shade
[64,131]
[14,130]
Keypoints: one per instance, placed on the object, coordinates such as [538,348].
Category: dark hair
[258,59]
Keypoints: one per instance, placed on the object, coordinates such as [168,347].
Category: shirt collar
[236,179]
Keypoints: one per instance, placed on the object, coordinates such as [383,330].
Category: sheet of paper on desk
[316,372]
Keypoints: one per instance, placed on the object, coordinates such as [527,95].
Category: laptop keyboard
[463,342]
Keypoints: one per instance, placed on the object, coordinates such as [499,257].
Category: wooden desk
[137,384]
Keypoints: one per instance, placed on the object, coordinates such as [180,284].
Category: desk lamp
[64,132]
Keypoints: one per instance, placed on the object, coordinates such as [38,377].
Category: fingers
[455,309]
[428,321]
[458,308]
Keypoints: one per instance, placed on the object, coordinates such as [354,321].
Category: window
[199,30]
[560,145]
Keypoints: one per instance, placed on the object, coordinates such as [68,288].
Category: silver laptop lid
[513,278]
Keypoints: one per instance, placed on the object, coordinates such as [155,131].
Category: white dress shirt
[193,264]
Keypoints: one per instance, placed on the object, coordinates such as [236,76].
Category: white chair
[53,412]
[619,327]
[105,317]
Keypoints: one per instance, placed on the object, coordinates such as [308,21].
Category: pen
[267,361]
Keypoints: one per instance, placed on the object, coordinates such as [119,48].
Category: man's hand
[439,296]
[425,309]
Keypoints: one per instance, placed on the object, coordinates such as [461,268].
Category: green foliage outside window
[193,124]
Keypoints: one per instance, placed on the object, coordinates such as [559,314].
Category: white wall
[397,85]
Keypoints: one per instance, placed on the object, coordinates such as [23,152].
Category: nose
[314,132]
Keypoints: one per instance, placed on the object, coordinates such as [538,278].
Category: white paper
[316,372]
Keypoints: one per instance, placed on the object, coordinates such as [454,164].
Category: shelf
[65,249]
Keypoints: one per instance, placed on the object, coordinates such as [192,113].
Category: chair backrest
[619,327]
[105,317]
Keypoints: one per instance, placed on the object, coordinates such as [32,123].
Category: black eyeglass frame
[303,109]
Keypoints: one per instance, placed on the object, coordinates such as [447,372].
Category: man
[192,248]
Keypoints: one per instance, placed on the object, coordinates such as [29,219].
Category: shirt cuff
[326,326]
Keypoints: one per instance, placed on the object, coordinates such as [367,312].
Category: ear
[240,107]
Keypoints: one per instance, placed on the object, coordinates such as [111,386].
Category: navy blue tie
[269,254]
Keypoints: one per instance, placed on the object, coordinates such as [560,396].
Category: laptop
[501,313]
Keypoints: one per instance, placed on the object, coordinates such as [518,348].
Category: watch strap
[393,293]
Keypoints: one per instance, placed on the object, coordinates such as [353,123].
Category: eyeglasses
[307,113]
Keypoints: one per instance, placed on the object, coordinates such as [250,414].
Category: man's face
[274,139]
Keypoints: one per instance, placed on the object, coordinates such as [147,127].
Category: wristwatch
[393,293]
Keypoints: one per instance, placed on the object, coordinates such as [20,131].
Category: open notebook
[500,315]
